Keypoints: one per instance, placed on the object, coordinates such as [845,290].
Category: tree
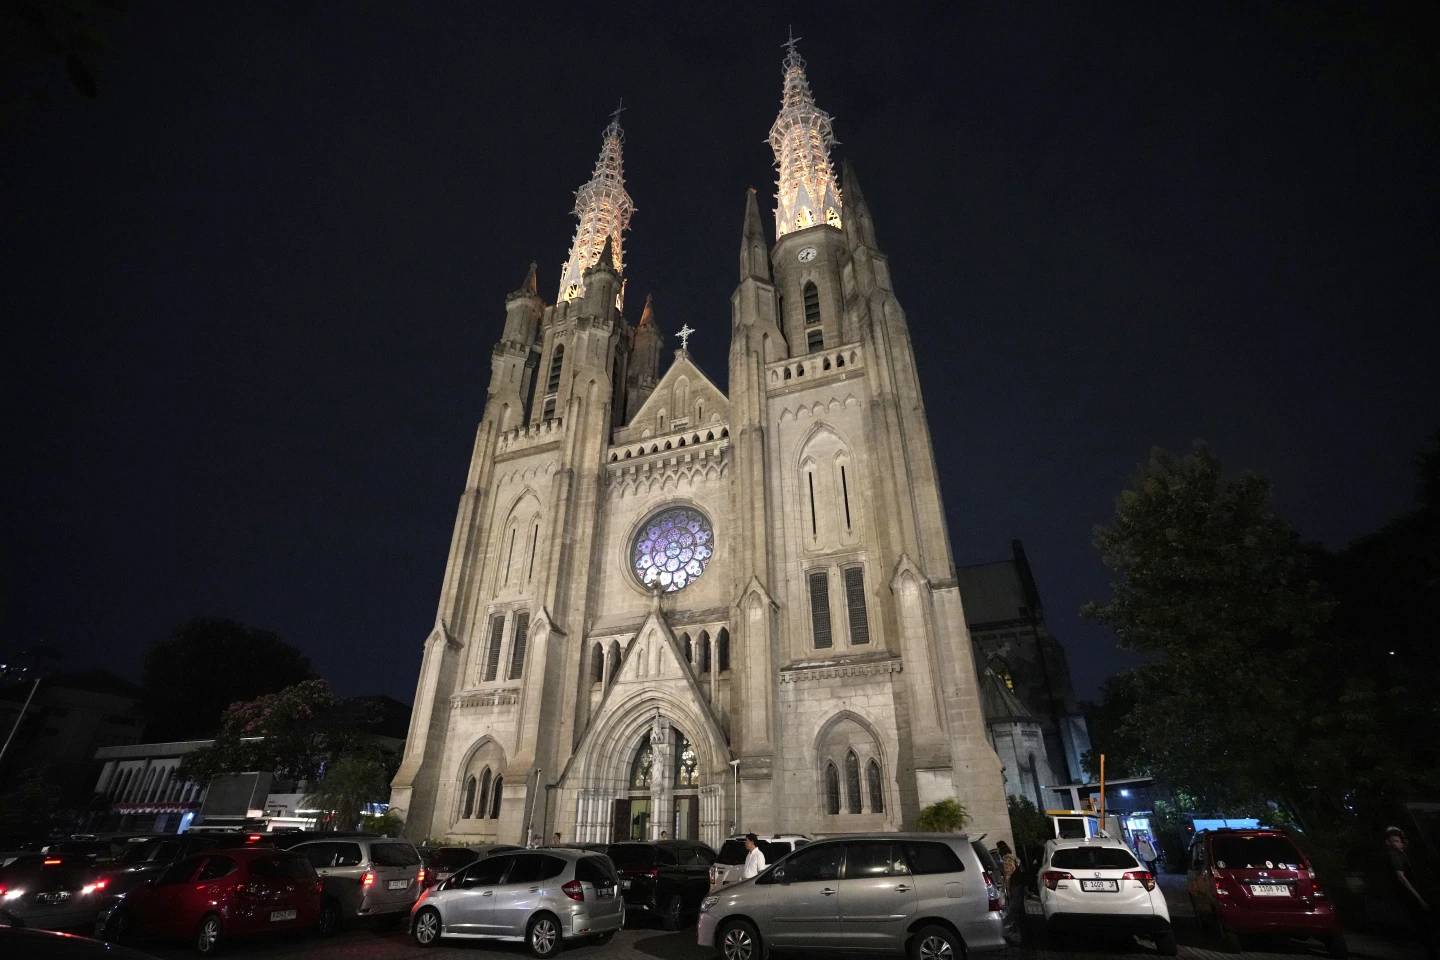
[209,663]
[350,783]
[946,816]
[291,733]
[1029,827]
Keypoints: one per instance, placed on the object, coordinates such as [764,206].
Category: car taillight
[253,838]
[1144,876]
[1219,882]
[573,890]
[319,885]
[97,886]
[52,861]
[422,877]
[714,874]
[992,892]
[367,879]
[1053,877]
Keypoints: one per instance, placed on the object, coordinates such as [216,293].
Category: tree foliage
[1029,827]
[209,663]
[945,816]
[351,782]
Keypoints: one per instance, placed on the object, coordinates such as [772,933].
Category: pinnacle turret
[806,191]
[858,222]
[529,287]
[754,252]
[603,209]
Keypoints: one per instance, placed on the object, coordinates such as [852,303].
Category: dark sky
[251,289]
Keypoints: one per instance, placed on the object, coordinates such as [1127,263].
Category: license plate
[55,896]
[624,884]
[1100,886]
[1270,890]
[398,884]
[278,915]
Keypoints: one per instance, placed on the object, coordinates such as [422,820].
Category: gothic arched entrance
[662,796]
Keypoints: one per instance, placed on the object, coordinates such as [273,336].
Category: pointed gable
[683,393]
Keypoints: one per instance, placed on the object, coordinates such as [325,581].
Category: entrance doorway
[686,824]
[632,819]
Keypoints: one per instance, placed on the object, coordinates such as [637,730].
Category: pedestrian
[1421,911]
[754,857]
[1010,882]
[664,835]
[556,841]
[1146,851]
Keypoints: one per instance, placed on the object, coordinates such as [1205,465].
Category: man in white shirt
[754,859]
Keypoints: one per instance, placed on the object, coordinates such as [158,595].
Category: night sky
[250,291]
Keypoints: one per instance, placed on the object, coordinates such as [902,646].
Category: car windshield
[1251,853]
[451,858]
[631,855]
[1093,858]
[393,855]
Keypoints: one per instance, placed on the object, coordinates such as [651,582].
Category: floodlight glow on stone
[672,550]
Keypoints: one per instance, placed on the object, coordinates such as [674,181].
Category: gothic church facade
[671,607]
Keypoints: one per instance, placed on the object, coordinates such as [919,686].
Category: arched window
[832,789]
[469,808]
[685,646]
[687,773]
[852,782]
[484,793]
[722,651]
[877,788]
[705,657]
[552,384]
[642,766]
[597,664]
[496,793]
[614,660]
[814,333]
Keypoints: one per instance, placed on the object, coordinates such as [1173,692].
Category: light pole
[734,795]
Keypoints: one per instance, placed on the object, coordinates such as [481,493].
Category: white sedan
[1096,884]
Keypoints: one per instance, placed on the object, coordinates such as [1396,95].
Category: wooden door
[621,821]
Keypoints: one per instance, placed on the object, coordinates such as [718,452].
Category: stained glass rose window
[672,549]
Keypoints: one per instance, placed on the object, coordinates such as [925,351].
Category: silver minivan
[927,894]
[540,897]
[366,876]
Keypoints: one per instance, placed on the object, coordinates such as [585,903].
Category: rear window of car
[627,856]
[987,862]
[1092,858]
[534,867]
[140,851]
[215,868]
[933,857]
[1265,853]
[393,855]
[280,868]
[451,858]
[732,852]
[595,870]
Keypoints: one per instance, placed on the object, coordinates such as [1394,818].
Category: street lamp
[734,795]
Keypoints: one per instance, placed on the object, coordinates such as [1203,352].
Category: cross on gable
[684,333]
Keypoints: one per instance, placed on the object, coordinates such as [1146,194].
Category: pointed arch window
[597,664]
[705,658]
[469,808]
[685,648]
[687,772]
[820,608]
[492,650]
[517,645]
[855,605]
[642,767]
[484,794]
[722,651]
[852,783]
[552,383]
[814,333]
[495,795]
[614,661]
[832,789]
[877,787]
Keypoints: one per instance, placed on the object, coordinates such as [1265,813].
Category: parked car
[442,862]
[365,875]
[925,893]
[213,896]
[49,891]
[663,878]
[730,861]
[1096,884]
[145,857]
[1259,881]
[542,897]
[50,945]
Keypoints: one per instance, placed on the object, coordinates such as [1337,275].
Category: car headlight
[707,903]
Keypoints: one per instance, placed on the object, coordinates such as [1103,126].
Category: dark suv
[1259,881]
[664,878]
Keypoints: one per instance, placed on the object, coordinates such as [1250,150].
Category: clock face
[807,254]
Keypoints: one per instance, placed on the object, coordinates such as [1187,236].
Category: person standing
[1010,882]
[1421,911]
[754,857]
[556,841]
[1146,851]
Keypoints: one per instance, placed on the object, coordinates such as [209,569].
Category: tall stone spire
[603,208]
[754,252]
[801,137]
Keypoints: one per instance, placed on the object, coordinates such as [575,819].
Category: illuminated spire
[603,208]
[801,138]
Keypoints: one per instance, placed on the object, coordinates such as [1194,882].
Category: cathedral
[674,608]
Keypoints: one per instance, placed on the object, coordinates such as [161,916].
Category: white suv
[730,861]
[1096,884]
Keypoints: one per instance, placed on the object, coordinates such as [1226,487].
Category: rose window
[672,549]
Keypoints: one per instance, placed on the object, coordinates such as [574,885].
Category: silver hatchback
[540,897]
[927,894]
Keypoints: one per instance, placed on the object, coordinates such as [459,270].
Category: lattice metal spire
[603,208]
[807,192]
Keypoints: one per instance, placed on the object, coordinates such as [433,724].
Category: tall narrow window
[685,647]
[535,539]
[814,332]
[492,654]
[614,661]
[832,789]
[469,809]
[510,555]
[820,607]
[855,605]
[845,494]
[722,651]
[552,383]
[705,658]
[484,805]
[877,788]
[852,782]
[814,340]
[517,646]
[495,795]
[810,476]
[597,664]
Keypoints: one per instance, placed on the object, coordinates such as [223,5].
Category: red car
[1260,882]
[220,894]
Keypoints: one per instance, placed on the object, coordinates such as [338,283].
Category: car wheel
[935,943]
[1336,946]
[329,922]
[207,938]
[543,935]
[426,928]
[1165,944]
[738,940]
[674,916]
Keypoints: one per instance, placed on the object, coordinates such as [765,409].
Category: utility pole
[19,717]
